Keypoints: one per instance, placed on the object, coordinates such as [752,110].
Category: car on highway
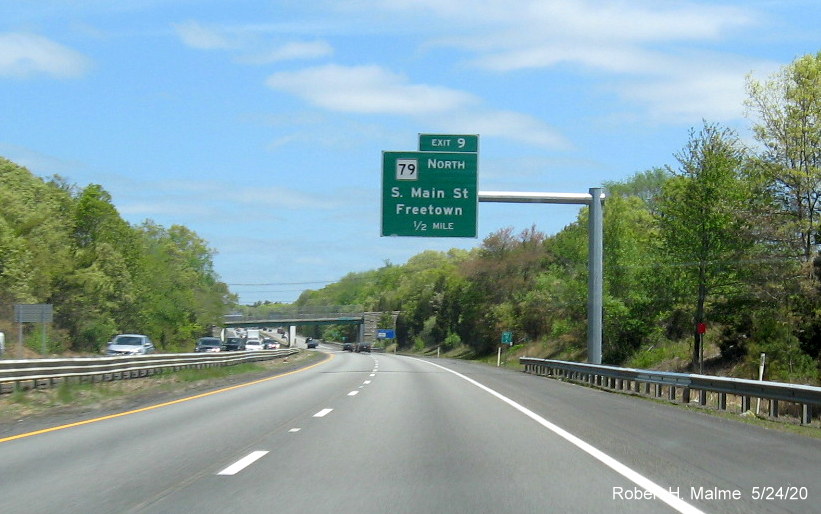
[362,347]
[233,344]
[347,347]
[311,343]
[253,344]
[208,344]
[270,344]
[130,344]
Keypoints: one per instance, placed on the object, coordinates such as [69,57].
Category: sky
[260,125]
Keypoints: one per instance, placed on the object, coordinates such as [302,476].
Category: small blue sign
[385,333]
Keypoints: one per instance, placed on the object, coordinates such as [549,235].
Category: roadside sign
[33,313]
[385,333]
[429,194]
[448,143]
[507,338]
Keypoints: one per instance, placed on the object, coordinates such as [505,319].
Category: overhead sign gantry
[434,193]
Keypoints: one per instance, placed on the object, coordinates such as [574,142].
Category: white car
[130,344]
[253,344]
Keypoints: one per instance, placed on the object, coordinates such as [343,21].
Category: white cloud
[25,55]
[374,90]
[715,95]
[291,51]
[506,124]
[601,35]
[211,199]
[195,35]
[693,87]
[367,89]
[643,45]
[494,25]
[40,163]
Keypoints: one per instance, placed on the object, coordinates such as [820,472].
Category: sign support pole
[595,265]
[595,277]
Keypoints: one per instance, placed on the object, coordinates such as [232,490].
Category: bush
[451,341]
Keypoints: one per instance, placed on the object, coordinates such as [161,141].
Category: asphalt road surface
[375,433]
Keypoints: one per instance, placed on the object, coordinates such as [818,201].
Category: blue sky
[260,124]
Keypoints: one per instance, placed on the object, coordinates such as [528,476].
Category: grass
[650,358]
[194,375]
[69,394]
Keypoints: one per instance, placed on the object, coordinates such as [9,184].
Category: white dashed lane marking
[243,463]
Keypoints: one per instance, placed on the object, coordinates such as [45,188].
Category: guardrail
[660,384]
[36,373]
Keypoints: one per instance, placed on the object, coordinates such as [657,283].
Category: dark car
[311,342]
[347,347]
[208,344]
[363,347]
[233,344]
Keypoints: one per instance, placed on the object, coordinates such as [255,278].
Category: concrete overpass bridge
[324,315]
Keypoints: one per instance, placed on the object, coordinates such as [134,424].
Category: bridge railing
[304,312]
[44,373]
[660,384]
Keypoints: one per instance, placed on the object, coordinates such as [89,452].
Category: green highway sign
[448,143]
[429,194]
[507,338]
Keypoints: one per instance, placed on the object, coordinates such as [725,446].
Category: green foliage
[69,247]
[647,358]
[703,223]
[785,360]
[788,110]
[451,341]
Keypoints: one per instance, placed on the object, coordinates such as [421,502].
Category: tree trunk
[698,318]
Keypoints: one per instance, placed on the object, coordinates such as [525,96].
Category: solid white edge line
[243,463]
[322,413]
[635,477]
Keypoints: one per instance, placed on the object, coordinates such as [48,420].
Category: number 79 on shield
[407,169]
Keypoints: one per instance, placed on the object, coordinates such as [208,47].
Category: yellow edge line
[157,406]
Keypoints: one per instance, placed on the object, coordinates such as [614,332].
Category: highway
[375,433]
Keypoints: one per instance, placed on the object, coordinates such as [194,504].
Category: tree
[788,108]
[34,246]
[703,227]
[180,295]
[637,289]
